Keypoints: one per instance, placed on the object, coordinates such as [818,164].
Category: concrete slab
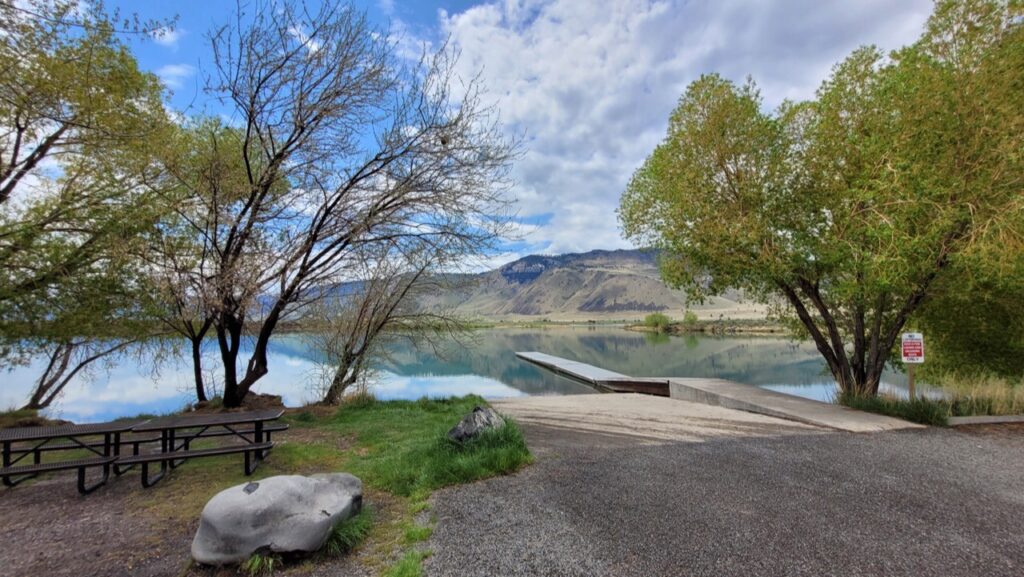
[742,397]
[644,418]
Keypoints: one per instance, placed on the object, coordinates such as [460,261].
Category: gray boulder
[474,423]
[283,514]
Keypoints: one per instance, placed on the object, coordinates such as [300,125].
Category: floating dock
[722,393]
[597,377]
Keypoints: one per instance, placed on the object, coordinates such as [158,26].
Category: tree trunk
[197,358]
[197,369]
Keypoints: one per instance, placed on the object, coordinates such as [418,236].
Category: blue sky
[590,83]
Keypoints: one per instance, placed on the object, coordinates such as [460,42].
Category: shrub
[657,321]
[690,319]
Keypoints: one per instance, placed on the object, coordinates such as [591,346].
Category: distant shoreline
[716,327]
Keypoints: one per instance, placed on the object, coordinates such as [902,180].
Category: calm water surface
[485,365]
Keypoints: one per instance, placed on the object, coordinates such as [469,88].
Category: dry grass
[983,395]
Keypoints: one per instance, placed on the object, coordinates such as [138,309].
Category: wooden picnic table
[178,432]
[61,438]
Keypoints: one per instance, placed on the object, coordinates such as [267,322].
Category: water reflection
[484,365]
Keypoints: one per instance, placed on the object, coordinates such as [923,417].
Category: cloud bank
[591,84]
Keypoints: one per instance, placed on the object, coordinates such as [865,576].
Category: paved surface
[749,398]
[719,392]
[904,503]
[643,418]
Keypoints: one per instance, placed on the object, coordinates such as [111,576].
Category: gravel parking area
[932,502]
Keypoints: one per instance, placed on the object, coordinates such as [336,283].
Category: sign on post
[913,348]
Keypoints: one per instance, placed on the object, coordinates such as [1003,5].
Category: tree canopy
[846,211]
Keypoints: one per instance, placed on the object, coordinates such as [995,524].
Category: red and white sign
[913,348]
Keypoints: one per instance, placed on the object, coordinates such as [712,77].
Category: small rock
[283,514]
[474,423]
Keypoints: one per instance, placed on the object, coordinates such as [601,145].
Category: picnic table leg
[118,470]
[173,443]
[7,479]
[258,436]
[251,462]
[165,444]
[86,489]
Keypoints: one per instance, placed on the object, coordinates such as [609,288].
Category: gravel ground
[915,503]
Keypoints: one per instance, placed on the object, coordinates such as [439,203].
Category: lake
[484,364]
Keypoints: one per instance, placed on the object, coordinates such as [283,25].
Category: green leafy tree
[77,119]
[974,324]
[848,209]
[76,115]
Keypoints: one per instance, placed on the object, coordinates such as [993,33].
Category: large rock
[474,423]
[284,514]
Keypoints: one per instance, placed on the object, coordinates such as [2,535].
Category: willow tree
[850,208]
[343,147]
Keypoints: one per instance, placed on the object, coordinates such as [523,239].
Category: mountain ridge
[596,285]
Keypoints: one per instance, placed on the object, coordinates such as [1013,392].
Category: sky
[588,84]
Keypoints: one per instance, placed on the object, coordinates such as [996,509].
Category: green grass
[964,397]
[417,533]
[349,534]
[260,565]
[411,565]
[407,450]
[920,410]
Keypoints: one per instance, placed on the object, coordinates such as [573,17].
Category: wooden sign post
[912,348]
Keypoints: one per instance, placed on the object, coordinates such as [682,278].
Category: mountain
[596,285]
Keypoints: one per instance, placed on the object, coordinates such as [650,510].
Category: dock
[601,379]
[722,393]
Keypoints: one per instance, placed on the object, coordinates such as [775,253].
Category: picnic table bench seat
[17,473]
[170,458]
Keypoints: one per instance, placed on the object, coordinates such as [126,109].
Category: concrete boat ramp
[722,393]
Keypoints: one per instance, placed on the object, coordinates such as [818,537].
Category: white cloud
[168,36]
[592,83]
[173,75]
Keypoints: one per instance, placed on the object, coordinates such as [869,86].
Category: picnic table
[178,432]
[107,441]
[62,438]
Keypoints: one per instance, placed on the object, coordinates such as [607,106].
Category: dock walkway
[722,393]
[601,379]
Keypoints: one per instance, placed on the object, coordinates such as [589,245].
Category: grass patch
[971,395]
[920,410]
[349,534]
[411,565]
[417,533]
[965,396]
[260,565]
[405,449]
